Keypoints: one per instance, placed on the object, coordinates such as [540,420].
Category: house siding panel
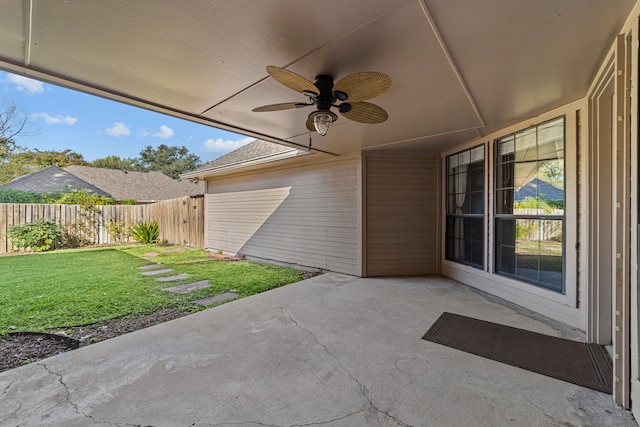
[401,214]
[307,215]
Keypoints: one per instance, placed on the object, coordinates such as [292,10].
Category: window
[529,205]
[465,234]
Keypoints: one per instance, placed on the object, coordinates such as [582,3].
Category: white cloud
[118,129]
[25,84]
[224,145]
[164,133]
[55,120]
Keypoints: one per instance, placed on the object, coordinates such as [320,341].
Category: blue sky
[59,119]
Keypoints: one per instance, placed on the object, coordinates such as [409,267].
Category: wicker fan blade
[361,86]
[292,80]
[277,107]
[310,126]
[365,112]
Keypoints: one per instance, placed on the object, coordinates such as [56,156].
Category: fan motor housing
[325,98]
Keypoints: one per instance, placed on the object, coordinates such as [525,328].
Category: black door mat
[579,363]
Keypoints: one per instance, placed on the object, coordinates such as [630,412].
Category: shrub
[145,232]
[84,198]
[72,197]
[40,236]
[18,196]
[118,230]
[539,203]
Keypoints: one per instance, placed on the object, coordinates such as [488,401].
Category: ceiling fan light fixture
[324,95]
[322,120]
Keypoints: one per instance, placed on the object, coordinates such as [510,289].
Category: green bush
[145,232]
[18,196]
[84,198]
[539,203]
[73,197]
[118,230]
[40,236]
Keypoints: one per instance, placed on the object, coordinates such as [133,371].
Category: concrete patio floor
[333,350]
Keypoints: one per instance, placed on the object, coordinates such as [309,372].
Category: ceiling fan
[347,95]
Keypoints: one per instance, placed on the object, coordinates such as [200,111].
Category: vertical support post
[622,235]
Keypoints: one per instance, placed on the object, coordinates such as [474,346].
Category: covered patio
[475,88]
[333,350]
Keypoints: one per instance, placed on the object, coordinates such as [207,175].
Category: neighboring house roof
[140,186]
[51,179]
[538,187]
[255,152]
[121,185]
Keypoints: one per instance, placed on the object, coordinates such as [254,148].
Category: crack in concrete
[363,389]
[232,423]
[237,423]
[279,425]
[66,390]
[6,389]
[75,406]
[344,417]
[275,368]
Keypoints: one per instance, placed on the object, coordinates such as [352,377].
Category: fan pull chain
[309,141]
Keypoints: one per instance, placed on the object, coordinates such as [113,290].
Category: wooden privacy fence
[181,221]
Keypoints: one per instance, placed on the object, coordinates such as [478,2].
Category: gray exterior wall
[401,214]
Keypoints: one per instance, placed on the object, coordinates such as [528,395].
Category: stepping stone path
[156,272]
[151,267]
[188,287]
[158,269]
[172,278]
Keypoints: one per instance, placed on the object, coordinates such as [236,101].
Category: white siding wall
[307,215]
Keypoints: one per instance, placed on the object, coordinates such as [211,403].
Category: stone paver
[151,267]
[188,287]
[156,272]
[227,296]
[173,278]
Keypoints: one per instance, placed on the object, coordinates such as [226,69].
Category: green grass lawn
[75,287]
[544,255]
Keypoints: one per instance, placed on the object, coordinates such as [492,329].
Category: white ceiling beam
[445,49]
[28,26]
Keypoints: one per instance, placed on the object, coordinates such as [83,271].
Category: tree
[115,162]
[552,171]
[42,159]
[171,161]
[10,171]
[10,126]
[16,164]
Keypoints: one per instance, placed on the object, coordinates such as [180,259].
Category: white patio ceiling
[460,68]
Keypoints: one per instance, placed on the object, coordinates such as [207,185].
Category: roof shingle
[121,185]
[140,186]
[51,179]
[254,151]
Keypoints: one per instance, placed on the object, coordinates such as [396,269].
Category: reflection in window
[465,235]
[529,205]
